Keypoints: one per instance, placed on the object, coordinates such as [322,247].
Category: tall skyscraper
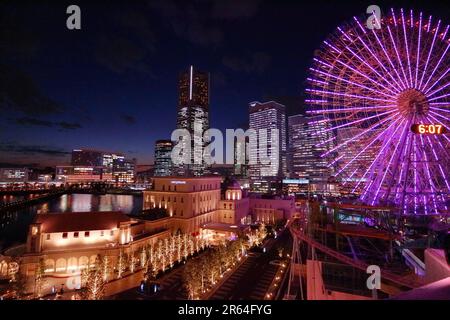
[193,113]
[308,140]
[270,116]
[163,160]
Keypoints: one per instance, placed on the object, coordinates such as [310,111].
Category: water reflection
[14,224]
[14,198]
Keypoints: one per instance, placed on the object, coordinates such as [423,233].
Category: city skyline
[97,82]
[299,152]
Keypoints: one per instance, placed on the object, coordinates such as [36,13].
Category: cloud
[257,62]
[219,79]
[191,21]
[233,10]
[33,122]
[33,150]
[129,46]
[68,125]
[18,92]
[128,119]
[27,121]
[119,54]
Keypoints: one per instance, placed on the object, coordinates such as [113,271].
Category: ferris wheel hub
[412,102]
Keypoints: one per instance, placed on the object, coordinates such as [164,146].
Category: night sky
[113,84]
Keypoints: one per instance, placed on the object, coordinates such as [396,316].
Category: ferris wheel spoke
[441,123]
[439,115]
[326,74]
[404,164]
[383,48]
[439,103]
[439,109]
[376,159]
[386,170]
[429,51]
[432,186]
[350,109]
[407,48]
[368,146]
[444,149]
[359,121]
[439,61]
[395,48]
[369,66]
[429,95]
[439,165]
[395,69]
[347,95]
[399,86]
[418,51]
[436,67]
[365,76]
[360,134]
[440,97]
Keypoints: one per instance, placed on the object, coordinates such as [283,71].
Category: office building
[89,165]
[266,118]
[163,160]
[309,138]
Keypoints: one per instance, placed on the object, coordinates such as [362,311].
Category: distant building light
[294,181]
[177,182]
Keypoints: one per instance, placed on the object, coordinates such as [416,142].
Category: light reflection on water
[14,225]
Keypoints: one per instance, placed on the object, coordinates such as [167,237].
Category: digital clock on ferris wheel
[428,129]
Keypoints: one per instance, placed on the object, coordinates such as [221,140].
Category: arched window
[72,264]
[49,265]
[92,260]
[61,265]
[83,262]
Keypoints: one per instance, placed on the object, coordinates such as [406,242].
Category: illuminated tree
[143,257]
[192,279]
[105,268]
[95,288]
[39,280]
[121,264]
[18,283]
[132,262]
[179,245]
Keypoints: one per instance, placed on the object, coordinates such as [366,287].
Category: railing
[20,203]
[409,283]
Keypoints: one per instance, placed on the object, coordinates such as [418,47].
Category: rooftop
[80,221]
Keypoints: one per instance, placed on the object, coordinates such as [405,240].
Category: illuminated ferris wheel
[384,93]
